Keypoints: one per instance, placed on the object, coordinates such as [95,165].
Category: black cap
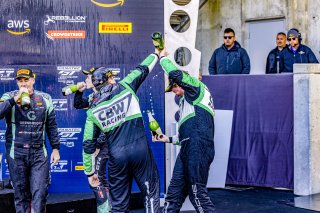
[109,72]
[86,72]
[25,73]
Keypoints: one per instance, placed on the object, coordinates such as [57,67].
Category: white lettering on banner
[67,74]
[18,24]
[6,74]
[68,136]
[75,19]
[69,68]
[60,104]
[61,166]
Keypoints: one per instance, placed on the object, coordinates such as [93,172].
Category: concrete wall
[216,15]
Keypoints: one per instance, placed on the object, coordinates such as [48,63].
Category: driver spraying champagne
[117,114]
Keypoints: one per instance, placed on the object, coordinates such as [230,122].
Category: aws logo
[113,3]
[18,27]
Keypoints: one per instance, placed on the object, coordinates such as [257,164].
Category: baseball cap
[108,72]
[293,33]
[25,73]
[90,71]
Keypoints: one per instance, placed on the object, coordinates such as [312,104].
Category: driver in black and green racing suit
[117,114]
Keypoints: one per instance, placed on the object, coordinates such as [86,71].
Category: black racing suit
[196,133]
[101,192]
[26,150]
[118,115]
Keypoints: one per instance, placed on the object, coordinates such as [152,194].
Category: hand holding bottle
[164,53]
[20,92]
[69,89]
[81,86]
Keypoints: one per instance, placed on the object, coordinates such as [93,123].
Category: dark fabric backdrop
[261,151]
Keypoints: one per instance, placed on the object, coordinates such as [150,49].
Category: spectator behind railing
[230,58]
[274,55]
[295,53]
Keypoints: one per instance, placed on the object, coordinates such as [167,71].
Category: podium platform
[65,202]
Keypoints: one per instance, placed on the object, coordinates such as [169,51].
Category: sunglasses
[228,37]
[293,39]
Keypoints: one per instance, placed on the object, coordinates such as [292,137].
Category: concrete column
[306,129]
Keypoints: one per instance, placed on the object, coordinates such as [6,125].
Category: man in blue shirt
[296,53]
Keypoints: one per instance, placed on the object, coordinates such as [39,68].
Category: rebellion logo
[18,27]
[113,3]
[72,19]
[115,27]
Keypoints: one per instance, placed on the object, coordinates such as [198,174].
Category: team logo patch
[114,113]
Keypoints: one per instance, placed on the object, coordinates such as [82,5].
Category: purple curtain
[261,151]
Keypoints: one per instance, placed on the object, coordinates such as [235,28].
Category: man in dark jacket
[230,58]
[273,57]
[295,53]
[26,151]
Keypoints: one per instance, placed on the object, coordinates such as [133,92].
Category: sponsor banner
[60,104]
[79,168]
[18,27]
[115,27]
[69,136]
[62,34]
[66,19]
[67,74]
[6,74]
[60,167]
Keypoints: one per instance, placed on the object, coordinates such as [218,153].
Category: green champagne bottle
[69,89]
[153,125]
[25,99]
[157,40]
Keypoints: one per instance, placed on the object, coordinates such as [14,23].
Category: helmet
[99,76]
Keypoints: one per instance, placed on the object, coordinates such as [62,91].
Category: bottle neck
[151,118]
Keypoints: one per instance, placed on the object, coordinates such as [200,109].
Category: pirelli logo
[115,27]
[79,168]
[23,71]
